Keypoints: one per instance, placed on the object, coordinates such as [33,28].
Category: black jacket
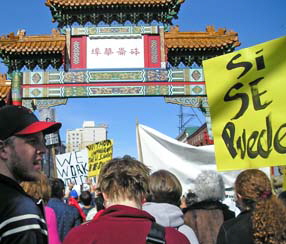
[21,219]
[236,231]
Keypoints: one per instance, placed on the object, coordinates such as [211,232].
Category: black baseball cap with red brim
[19,120]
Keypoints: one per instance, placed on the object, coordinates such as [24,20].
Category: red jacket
[73,202]
[120,224]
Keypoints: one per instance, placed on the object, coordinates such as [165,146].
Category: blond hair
[38,189]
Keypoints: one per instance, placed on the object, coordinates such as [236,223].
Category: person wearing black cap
[22,146]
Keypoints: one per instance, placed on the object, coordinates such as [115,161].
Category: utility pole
[184,118]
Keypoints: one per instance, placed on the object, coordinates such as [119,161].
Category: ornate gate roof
[67,12]
[201,40]
[190,47]
[20,50]
[76,3]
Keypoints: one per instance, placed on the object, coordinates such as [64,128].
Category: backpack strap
[156,234]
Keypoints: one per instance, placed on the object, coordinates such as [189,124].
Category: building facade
[90,133]
[196,136]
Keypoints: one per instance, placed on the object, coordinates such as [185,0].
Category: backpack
[156,234]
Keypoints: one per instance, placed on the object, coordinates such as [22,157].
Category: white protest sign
[72,167]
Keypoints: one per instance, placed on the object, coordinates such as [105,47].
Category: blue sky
[255,21]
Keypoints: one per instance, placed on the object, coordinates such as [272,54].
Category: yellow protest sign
[284,178]
[246,95]
[98,154]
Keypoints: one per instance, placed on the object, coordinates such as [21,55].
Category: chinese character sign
[246,94]
[115,53]
[98,154]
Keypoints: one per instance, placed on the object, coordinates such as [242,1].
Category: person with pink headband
[263,217]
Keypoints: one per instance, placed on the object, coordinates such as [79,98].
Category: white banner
[159,151]
[72,167]
[115,53]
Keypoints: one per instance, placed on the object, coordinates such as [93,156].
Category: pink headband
[265,195]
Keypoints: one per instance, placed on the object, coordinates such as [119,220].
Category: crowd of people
[128,204]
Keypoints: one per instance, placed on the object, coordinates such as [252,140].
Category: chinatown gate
[111,48]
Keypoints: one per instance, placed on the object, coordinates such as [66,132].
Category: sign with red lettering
[108,53]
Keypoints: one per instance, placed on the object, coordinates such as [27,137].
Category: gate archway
[144,30]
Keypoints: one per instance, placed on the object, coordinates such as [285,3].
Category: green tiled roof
[191,130]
